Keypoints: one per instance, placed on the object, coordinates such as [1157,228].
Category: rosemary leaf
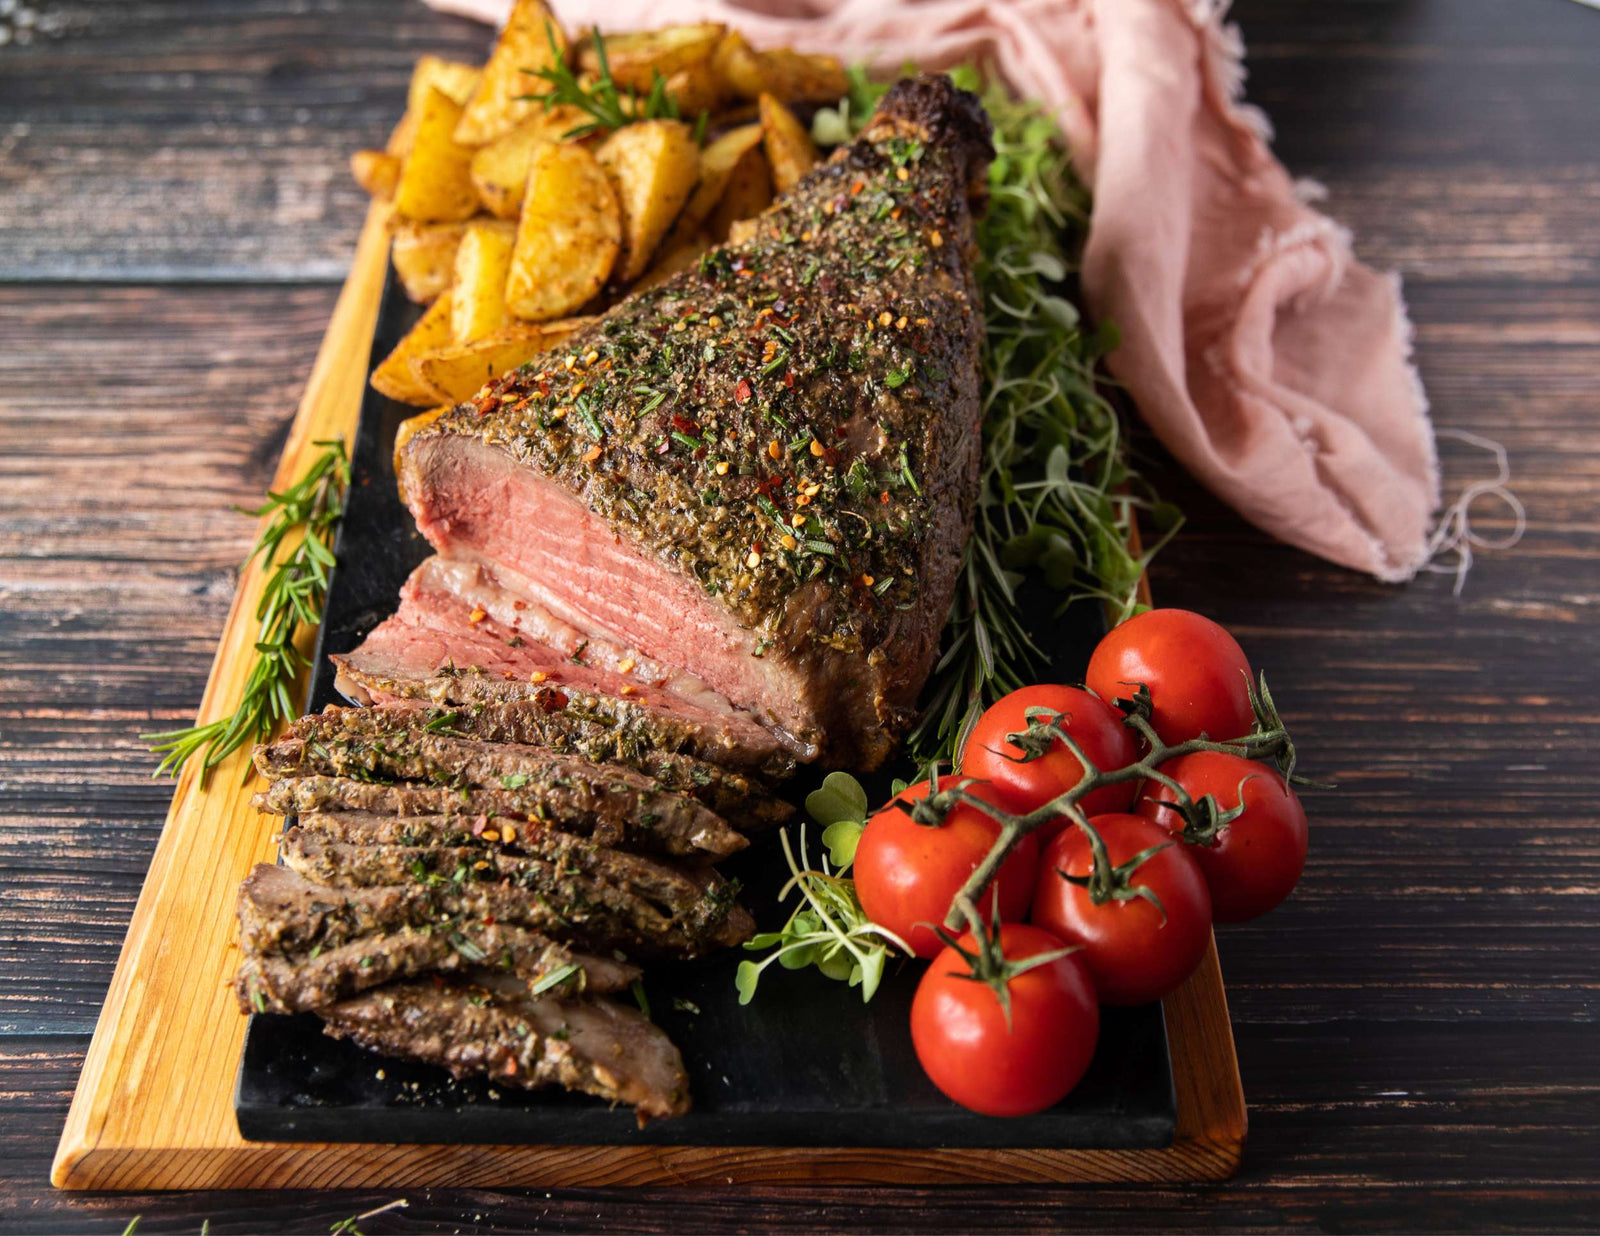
[292,598]
[608,106]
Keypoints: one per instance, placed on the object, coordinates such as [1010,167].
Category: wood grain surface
[1415,1029]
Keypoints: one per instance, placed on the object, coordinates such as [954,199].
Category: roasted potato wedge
[717,164]
[789,76]
[424,256]
[748,193]
[635,59]
[790,149]
[455,79]
[394,376]
[459,370]
[376,172]
[796,77]
[569,235]
[436,179]
[653,167]
[498,104]
[478,295]
[739,67]
[696,89]
[500,169]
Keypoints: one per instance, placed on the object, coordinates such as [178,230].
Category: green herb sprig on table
[609,106]
[1058,498]
[292,600]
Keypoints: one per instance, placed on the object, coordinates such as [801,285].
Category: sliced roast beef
[370,828]
[588,1045]
[670,887]
[567,787]
[305,982]
[666,832]
[283,913]
[588,909]
[738,796]
[445,650]
[764,469]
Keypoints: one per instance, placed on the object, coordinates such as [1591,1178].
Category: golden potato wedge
[500,169]
[696,89]
[739,67]
[454,78]
[424,256]
[717,163]
[693,90]
[671,260]
[459,370]
[796,77]
[498,104]
[478,295]
[635,59]
[748,193]
[653,166]
[789,76]
[394,376]
[790,149]
[436,179]
[569,235]
[376,172]
[408,430]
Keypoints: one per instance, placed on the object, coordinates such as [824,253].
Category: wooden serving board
[154,1104]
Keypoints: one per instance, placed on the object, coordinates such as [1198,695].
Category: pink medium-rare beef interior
[503,599]
[472,499]
[452,616]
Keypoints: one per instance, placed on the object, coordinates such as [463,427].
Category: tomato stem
[1268,741]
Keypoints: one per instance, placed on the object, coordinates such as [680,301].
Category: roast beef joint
[715,534]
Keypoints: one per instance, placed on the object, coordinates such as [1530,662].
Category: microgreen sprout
[828,929]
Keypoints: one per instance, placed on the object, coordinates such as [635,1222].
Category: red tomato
[1256,860]
[1093,724]
[1134,953]
[907,873]
[965,1046]
[1196,672]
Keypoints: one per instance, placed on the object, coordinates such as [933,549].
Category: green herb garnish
[610,107]
[829,929]
[555,978]
[292,600]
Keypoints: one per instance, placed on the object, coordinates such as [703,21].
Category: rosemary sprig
[1058,497]
[292,599]
[610,107]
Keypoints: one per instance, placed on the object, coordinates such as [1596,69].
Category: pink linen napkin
[1270,362]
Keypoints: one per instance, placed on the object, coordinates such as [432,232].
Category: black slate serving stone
[805,1064]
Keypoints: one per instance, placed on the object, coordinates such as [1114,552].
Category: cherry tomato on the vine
[1254,861]
[1196,672]
[970,1052]
[1092,723]
[907,873]
[1135,950]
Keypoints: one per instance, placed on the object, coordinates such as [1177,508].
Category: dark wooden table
[1417,1028]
